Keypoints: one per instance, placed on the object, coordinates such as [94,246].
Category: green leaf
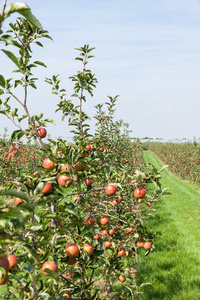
[47,36]
[15,292]
[20,118]
[2,81]
[32,252]
[16,135]
[79,58]
[2,112]
[12,57]
[39,44]
[50,121]
[70,211]
[23,10]
[14,112]
[49,215]
[51,273]
[8,39]
[39,188]
[15,193]
[40,63]
[30,207]
[48,80]
[34,227]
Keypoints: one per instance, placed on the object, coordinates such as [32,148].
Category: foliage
[183,159]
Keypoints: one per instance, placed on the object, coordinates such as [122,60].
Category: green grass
[173,267]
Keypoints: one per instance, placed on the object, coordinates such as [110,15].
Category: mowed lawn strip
[173,267]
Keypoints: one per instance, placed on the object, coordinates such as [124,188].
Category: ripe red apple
[107,244]
[12,261]
[140,244]
[4,280]
[129,230]
[90,221]
[66,295]
[88,181]
[111,231]
[101,149]
[88,248]
[147,245]
[47,188]
[139,193]
[51,265]
[128,253]
[115,202]
[17,200]
[121,252]
[104,221]
[121,278]
[88,147]
[96,236]
[42,132]
[76,199]
[5,263]
[111,189]
[65,181]
[104,232]
[65,168]
[48,164]
[72,250]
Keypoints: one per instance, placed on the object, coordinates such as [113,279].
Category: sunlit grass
[173,266]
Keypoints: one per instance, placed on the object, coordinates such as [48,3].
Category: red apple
[12,261]
[111,231]
[5,263]
[76,199]
[88,181]
[42,132]
[65,181]
[96,236]
[72,250]
[104,221]
[51,265]
[90,221]
[17,200]
[88,248]
[111,189]
[147,245]
[139,193]
[47,188]
[88,147]
[107,244]
[48,164]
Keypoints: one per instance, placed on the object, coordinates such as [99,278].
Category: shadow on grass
[171,286]
[166,280]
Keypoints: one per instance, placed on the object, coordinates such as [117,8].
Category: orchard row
[183,159]
[72,214]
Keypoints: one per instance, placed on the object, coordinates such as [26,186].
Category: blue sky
[147,52]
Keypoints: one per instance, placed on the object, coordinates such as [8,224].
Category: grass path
[173,267]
